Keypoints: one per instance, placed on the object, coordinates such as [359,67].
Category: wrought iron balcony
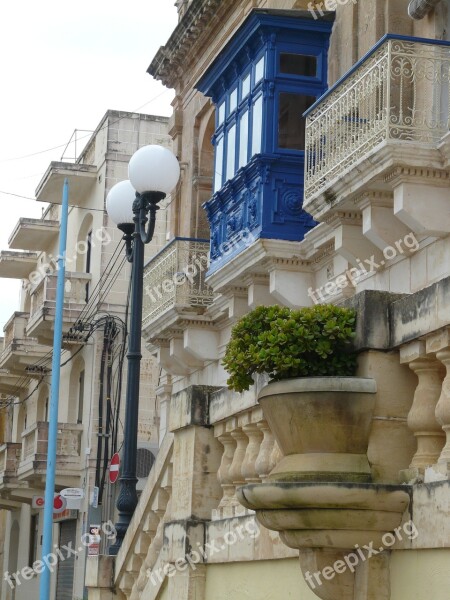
[33,461]
[43,304]
[397,95]
[175,279]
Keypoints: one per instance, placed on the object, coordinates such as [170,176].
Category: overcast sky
[62,66]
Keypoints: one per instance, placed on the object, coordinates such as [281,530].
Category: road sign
[74,493]
[59,504]
[37,502]
[114,468]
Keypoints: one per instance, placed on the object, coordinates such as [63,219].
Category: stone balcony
[32,467]
[20,352]
[33,234]
[175,297]
[388,111]
[9,460]
[43,304]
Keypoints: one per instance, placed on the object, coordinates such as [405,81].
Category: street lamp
[154,172]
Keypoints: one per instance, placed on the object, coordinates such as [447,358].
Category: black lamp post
[154,172]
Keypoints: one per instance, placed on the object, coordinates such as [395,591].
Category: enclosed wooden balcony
[43,304]
[33,460]
[391,109]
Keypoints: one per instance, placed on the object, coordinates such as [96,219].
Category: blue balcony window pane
[231,152]
[233,100]
[243,139]
[221,115]
[257,122]
[245,86]
[259,70]
[219,165]
[291,123]
[298,64]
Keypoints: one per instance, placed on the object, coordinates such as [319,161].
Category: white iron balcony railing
[398,92]
[175,277]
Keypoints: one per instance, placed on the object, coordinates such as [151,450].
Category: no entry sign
[114,468]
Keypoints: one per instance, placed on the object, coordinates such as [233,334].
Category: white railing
[176,277]
[400,91]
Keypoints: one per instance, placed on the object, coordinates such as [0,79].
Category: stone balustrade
[249,454]
[429,417]
[142,547]
[33,459]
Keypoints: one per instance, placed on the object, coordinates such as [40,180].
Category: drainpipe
[418,9]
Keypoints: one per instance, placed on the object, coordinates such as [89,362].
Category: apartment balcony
[9,460]
[17,265]
[386,122]
[81,178]
[43,304]
[33,234]
[20,352]
[174,284]
[32,467]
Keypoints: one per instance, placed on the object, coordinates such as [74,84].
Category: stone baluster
[421,418]
[236,469]
[275,456]
[255,436]
[443,407]
[264,464]
[223,474]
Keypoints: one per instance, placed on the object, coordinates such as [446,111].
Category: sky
[62,67]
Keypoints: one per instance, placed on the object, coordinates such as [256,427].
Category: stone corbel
[259,292]
[202,343]
[352,244]
[379,224]
[423,208]
[290,280]
[182,356]
[169,363]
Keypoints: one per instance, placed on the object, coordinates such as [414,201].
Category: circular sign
[40,501]
[114,468]
[59,504]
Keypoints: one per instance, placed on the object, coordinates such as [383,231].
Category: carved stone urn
[322,427]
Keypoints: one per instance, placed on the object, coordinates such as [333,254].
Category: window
[80,397]
[298,64]
[231,152]
[291,123]
[236,113]
[34,528]
[88,260]
[257,122]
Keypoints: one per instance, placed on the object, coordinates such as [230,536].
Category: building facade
[314,147]
[93,363]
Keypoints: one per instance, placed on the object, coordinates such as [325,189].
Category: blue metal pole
[47,541]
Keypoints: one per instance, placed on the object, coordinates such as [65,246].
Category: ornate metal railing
[176,277]
[399,91]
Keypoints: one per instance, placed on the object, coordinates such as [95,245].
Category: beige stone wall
[277,580]
[420,575]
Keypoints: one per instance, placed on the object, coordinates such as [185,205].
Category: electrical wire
[3,160]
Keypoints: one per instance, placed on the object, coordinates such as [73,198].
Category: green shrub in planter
[308,342]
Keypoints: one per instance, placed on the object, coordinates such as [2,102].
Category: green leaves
[314,341]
